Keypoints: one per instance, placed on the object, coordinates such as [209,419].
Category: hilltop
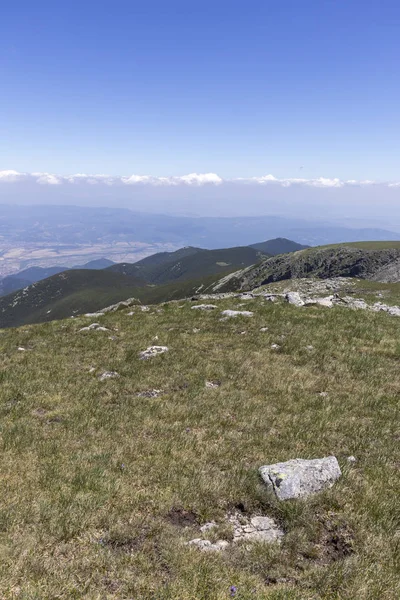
[111,464]
[372,260]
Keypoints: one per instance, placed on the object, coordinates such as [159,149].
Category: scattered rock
[246,296]
[21,349]
[195,330]
[92,369]
[108,375]
[208,526]
[275,347]
[273,297]
[207,546]
[351,459]
[299,478]
[264,329]
[131,313]
[323,394]
[255,529]
[149,394]
[94,326]
[144,308]
[213,384]
[326,301]
[203,307]
[152,351]
[237,313]
[310,348]
[94,315]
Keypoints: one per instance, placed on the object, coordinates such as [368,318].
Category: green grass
[90,471]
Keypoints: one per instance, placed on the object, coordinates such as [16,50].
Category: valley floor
[104,479]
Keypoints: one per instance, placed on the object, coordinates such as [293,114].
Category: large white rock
[294,298]
[299,478]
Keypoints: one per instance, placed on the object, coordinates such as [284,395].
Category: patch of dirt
[337,539]
[182,518]
[124,543]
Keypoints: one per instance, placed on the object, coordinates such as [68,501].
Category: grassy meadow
[101,487]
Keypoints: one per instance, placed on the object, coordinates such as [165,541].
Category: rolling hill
[189,263]
[19,280]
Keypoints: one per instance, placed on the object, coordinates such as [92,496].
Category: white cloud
[200,179]
[11,176]
[47,179]
[192,179]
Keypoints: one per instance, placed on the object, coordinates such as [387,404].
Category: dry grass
[91,473]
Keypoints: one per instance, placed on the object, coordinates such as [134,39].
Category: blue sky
[298,89]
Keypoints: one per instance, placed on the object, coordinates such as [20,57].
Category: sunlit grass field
[101,488]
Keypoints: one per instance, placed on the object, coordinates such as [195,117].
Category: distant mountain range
[73,225]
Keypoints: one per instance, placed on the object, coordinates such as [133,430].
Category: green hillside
[190,263]
[105,481]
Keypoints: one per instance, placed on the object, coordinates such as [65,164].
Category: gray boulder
[294,298]
[299,478]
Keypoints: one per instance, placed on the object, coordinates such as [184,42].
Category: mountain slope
[105,480]
[370,260]
[65,294]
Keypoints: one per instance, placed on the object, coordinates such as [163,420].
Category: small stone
[204,307]
[152,351]
[208,526]
[351,459]
[207,546]
[21,349]
[323,394]
[256,528]
[213,384]
[275,347]
[310,348]
[237,313]
[149,394]
[92,369]
[264,329]
[299,478]
[195,330]
[108,375]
